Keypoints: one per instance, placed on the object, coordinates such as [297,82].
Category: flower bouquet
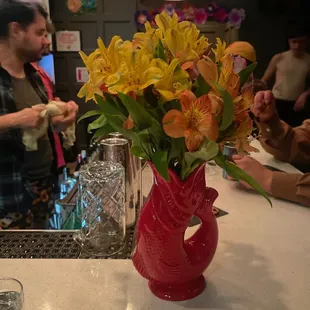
[178,100]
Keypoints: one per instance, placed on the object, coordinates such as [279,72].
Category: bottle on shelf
[84,157]
[79,162]
[67,184]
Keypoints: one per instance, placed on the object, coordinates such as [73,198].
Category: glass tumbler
[102,200]
[11,294]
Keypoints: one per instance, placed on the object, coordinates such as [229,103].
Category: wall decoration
[82,75]
[68,41]
[81,6]
[211,12]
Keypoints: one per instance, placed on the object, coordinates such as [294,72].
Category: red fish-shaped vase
[174,266]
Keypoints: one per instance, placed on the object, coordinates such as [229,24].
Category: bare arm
[286,143]
[8,122]
[288,186]
[26,118]
[271,69]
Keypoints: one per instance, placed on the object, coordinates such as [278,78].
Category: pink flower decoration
[74,5]
[236,17]
[211,8]
[189,12]
[221,15]
[180,14]
[169,8]
[200,17]
[239,64]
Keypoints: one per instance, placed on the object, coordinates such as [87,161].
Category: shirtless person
[291,70]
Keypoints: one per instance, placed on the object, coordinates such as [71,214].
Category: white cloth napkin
[53,108]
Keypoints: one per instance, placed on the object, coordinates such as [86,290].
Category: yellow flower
[174,80]
[103,64]
[196,120]
[142,72]
[147,40]
[182,40]
[219,52]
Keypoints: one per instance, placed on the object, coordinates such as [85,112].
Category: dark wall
[264,26]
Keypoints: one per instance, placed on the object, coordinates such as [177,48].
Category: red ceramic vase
[174,266]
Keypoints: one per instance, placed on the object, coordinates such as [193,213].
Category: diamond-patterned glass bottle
[102,199]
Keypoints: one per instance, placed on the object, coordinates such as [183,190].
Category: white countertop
[262,263]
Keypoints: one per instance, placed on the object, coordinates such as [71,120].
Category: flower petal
[187,98]
[208,126]
[129,123]
[174,124]
[208,70]
[193,139]
[243,49]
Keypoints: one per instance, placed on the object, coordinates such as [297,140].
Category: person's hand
[29,118]
[62,122]
[264,106]
[301,101]
[256,170]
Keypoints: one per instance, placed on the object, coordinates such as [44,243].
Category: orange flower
[196,120]
[129,123]
[74,5]
[227,79]
[243,104]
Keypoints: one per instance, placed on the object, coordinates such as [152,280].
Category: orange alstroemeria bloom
[129,123]
[243,104]
[227,79]
[196,120]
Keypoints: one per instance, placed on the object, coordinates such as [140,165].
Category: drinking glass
[11,294]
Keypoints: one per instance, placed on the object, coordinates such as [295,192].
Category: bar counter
[262,263]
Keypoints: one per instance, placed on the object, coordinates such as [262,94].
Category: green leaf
[207,151]
[160,162]
[115,118]
[101,132]
[228,114]
[137,151]
[202,87]
[160,51]
[98,123]
[238,174]
[177,148]
[154,112]
[143,140]
[117,102]
[246,72]
[140,116]
[89,114]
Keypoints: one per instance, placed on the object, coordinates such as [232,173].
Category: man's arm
[26,118]
[288,186]
[286,143]
[292,187]
[271,69]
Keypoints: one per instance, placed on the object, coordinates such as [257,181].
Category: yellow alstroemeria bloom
[219,51]
[147,40]
[181,39]
[196,120]
[142,73]
[174,80]
[104,63]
